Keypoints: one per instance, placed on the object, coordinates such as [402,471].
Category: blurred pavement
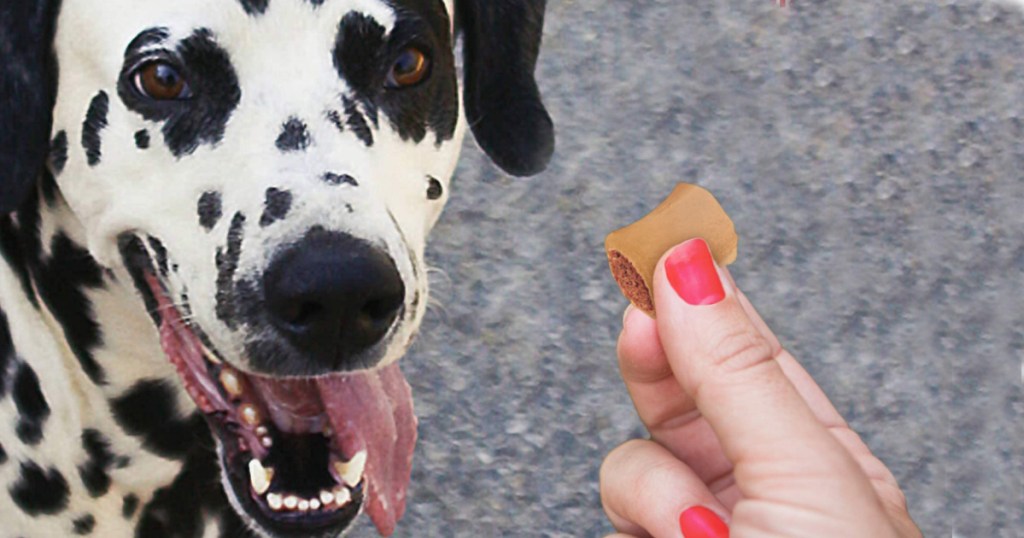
[870,154]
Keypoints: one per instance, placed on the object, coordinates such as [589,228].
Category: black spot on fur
[335,118]
[276,206]
[3,455]
[83,525]
[129,505]
[209,209]
[19,243]
[254,7]
[177,510]
[294,136]
[149,411]
[59,152]
[339,179]
[142,139]
[39,491]
[227,264]
[147,39]
[357,122]
[100,459]
[160,252]
[95,121]
[137,261]
[31,404]
[48,187]
[188,123]
[6,352]
[434,188]
[62,282]
[364,54]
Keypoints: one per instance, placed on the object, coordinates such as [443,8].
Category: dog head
[265,173]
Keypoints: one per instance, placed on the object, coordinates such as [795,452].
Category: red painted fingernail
[699,522]
[691,271]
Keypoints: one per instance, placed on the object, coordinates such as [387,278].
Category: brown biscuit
[689,212]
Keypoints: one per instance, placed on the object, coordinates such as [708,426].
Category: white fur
[284,66]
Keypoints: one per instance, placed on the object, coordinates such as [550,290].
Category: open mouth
[302,454]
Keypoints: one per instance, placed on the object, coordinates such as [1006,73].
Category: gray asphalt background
[870,154]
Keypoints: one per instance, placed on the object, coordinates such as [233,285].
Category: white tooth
[230,382]
[342,497]
[326,497]
[266,442]
[250,415]
[261,431]
[274,501]
[210,356]
[291,502]
[314,504]
[259,476]
[303,505]
[352,471]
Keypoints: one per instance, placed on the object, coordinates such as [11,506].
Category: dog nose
[333,296]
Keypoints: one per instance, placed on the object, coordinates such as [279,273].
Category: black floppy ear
[503,105]
[28,87]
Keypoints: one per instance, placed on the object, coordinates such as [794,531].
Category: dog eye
[411,67]
[161,81]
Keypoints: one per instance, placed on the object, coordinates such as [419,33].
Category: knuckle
[738,350]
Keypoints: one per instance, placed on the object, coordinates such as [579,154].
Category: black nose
[333,297]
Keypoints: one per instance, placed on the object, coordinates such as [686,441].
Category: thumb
[729,368]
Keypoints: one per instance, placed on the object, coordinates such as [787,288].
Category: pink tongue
[373,410]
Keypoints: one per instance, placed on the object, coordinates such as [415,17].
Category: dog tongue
[373,411]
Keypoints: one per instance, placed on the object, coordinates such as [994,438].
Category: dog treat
[689,212]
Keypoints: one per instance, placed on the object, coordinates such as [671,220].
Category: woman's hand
[740,433]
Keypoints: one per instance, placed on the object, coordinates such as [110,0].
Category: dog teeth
[304,505]
[267,442]
[326,497]
[314,504]
[210,356]
[274,501]
[351,472]
[341,497]
[260,477]
[250,415]
[261,431]
[229,380]
[291,502]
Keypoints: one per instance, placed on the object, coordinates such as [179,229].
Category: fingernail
[699,522]
[692,273]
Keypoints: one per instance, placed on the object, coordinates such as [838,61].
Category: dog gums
[689,211]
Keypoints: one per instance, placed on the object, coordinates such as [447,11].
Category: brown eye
[162,82]
[411,67]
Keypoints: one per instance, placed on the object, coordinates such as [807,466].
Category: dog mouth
[302,454]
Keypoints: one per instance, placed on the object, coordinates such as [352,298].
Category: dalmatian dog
[212,226]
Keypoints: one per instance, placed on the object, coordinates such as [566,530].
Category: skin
[739,427]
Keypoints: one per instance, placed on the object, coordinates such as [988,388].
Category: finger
[667,412]
[644,489]
[804,383]
[722,359]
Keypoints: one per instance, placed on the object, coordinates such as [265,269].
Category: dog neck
[86,336]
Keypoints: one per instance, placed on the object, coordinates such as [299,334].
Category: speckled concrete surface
[870,154]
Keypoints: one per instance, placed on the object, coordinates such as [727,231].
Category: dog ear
[501,41]
[28,86]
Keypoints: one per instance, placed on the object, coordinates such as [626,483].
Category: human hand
[740,433]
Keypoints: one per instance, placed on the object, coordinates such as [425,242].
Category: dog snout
[333,297]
